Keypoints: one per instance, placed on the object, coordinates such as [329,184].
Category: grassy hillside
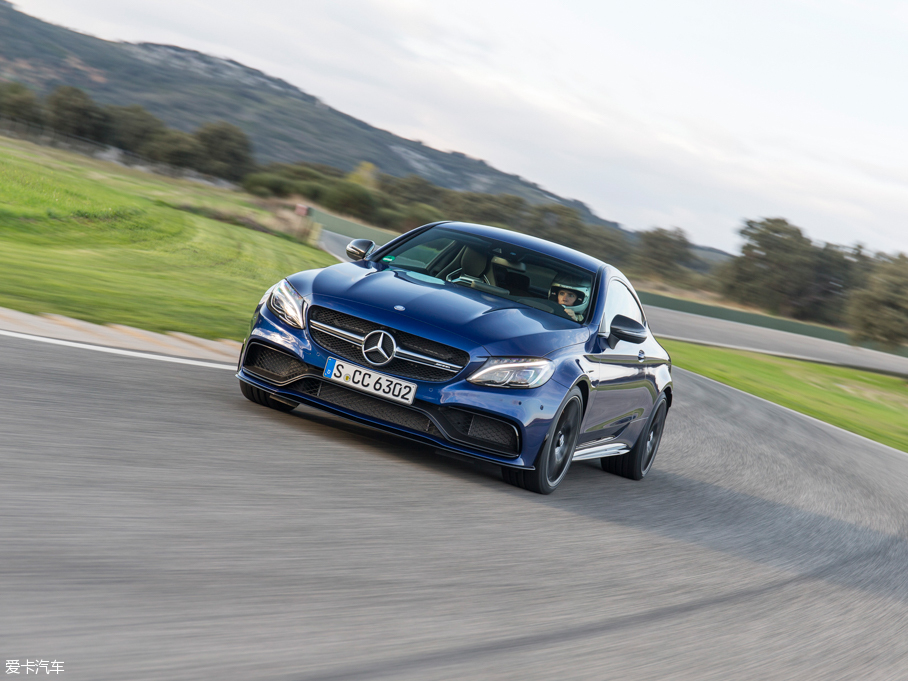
[186,89]
[94,241]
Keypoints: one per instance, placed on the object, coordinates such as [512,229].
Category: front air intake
[484,430]
[274,366]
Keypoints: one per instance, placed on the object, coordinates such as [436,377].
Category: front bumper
[503,426]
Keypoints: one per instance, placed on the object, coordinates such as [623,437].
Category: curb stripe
[116,351]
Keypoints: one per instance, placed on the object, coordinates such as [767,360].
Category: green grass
[101,243]
[869,404]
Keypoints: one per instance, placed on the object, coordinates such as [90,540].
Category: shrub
[389,218]
[314,191]
[72,112]
[20,103]
[227,151]
[268,184]
[351,199]
[418,214]
[879,311]
[175,148]
[133,128]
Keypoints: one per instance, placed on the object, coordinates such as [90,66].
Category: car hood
[441,311]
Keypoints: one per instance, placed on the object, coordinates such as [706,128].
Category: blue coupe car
[477,340]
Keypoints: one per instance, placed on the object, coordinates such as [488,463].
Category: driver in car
[567,298]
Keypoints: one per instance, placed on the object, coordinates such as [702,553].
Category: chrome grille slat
[408,355]
[338,333]
[355,336]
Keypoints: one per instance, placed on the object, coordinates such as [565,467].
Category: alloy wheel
[563,442]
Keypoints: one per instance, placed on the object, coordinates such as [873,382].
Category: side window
[422,255]
[619,300]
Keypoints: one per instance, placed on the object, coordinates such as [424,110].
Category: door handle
[641,355]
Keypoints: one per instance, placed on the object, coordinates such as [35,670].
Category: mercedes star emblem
[379,348]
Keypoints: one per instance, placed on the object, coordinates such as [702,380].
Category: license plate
[369,381]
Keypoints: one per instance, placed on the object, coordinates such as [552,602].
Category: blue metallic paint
[619,389]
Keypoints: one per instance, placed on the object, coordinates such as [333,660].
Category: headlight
[287,304]
[514,372]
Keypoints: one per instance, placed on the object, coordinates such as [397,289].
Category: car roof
[532,243]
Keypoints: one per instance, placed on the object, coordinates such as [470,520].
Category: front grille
[326,315]
[367,405]
[273,365]
[398,366]
[460,425]
[451,423]
[307,386]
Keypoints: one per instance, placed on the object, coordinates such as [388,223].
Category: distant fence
[354,230]
[48,137]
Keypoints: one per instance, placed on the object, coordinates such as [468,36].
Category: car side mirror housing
[360,248]
[626,329]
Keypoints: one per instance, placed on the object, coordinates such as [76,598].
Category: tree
[606,243]
[226,151]
[495,209]
[20,103]
[133,127]
[418,214]
[663,252]
[774,269]
[557,223]
[72,112]
[175,148]
[784,272]
[879,311]
[352,199]
[365,175]
[411,189]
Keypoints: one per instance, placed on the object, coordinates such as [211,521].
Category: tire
[259,396]
[554,460]
[637,463]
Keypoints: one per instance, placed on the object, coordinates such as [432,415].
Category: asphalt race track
[156,525]
[700,329]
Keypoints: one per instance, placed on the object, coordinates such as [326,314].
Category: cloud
[695,115]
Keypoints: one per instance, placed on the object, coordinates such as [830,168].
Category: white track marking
[116,351]
[230,367]
[793,411]
[783,355]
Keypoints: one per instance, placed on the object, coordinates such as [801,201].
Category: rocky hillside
[186,89]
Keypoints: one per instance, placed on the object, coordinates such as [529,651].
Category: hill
[185,89]
[95,241]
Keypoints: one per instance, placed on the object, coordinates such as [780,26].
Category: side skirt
[599,450]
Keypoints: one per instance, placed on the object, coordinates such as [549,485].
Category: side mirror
[626,329]
[359,248]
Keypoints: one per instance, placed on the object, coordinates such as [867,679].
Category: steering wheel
[542,304]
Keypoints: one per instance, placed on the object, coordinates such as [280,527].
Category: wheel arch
[586,389]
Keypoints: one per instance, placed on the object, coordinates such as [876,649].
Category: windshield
[496,267]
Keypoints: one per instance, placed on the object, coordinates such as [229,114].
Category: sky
[666,113]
